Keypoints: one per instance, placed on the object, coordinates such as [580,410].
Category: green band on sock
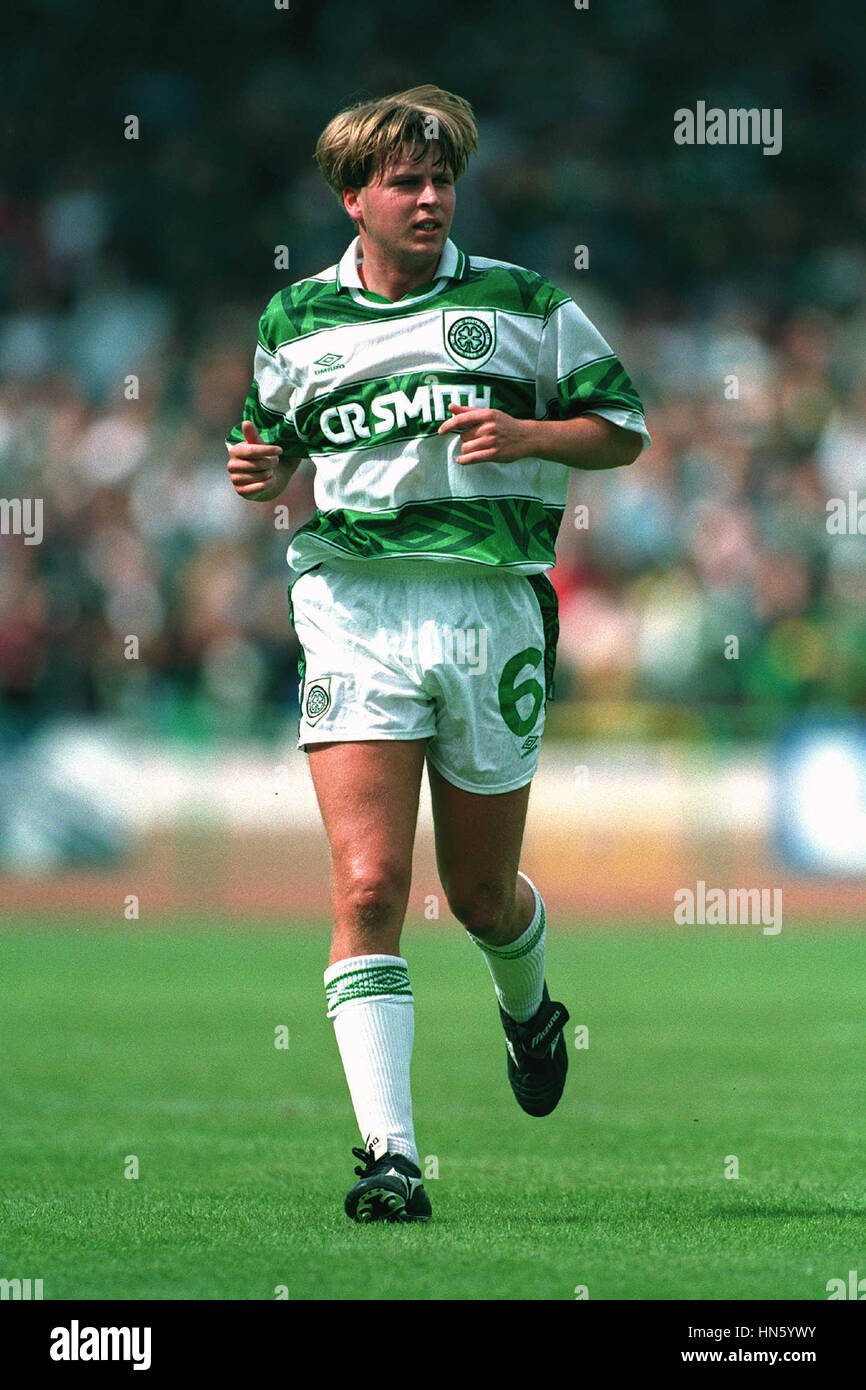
[523,945]
[368,982]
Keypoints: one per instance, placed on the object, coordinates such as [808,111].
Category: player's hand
[488,436]
[255,468]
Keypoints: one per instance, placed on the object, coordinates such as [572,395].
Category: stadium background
[167,778]
[153,257]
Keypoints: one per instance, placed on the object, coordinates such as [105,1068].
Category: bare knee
[370,898]
[484,909]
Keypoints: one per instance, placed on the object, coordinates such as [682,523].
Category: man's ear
[351,203]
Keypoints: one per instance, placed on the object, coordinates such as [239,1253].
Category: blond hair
[358,144]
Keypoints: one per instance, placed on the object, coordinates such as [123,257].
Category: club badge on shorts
[317,699]
[470,335]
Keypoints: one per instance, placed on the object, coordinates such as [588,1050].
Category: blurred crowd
[704,579]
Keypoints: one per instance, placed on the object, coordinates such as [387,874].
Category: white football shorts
[415,649]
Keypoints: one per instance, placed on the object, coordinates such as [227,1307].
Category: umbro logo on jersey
[327,363]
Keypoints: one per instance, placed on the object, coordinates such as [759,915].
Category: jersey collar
[452,266]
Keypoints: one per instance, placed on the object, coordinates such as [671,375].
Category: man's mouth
[428,225]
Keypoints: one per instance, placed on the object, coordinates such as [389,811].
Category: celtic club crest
[470,338]
[318,699]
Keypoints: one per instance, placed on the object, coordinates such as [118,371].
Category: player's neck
[382,276]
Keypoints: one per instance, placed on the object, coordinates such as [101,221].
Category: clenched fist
[258,470]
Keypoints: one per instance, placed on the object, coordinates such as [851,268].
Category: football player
[444,400]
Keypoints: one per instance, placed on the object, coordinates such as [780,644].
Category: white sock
[518,968]
[370,1001]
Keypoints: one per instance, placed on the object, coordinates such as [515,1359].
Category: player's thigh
[368,795]
[478,843]
[489,686]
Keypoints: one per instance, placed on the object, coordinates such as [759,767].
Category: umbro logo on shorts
[528,745]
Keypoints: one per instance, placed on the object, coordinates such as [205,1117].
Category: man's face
[406,211]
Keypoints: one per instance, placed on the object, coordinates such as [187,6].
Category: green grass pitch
[705,1045]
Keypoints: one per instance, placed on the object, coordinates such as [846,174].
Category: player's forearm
[588,441]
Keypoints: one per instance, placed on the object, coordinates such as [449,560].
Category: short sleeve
[270,402]
[578,374]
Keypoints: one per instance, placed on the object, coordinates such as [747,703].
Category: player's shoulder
[294,310]
[516,286]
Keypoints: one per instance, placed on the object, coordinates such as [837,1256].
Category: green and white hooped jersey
[360,385]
